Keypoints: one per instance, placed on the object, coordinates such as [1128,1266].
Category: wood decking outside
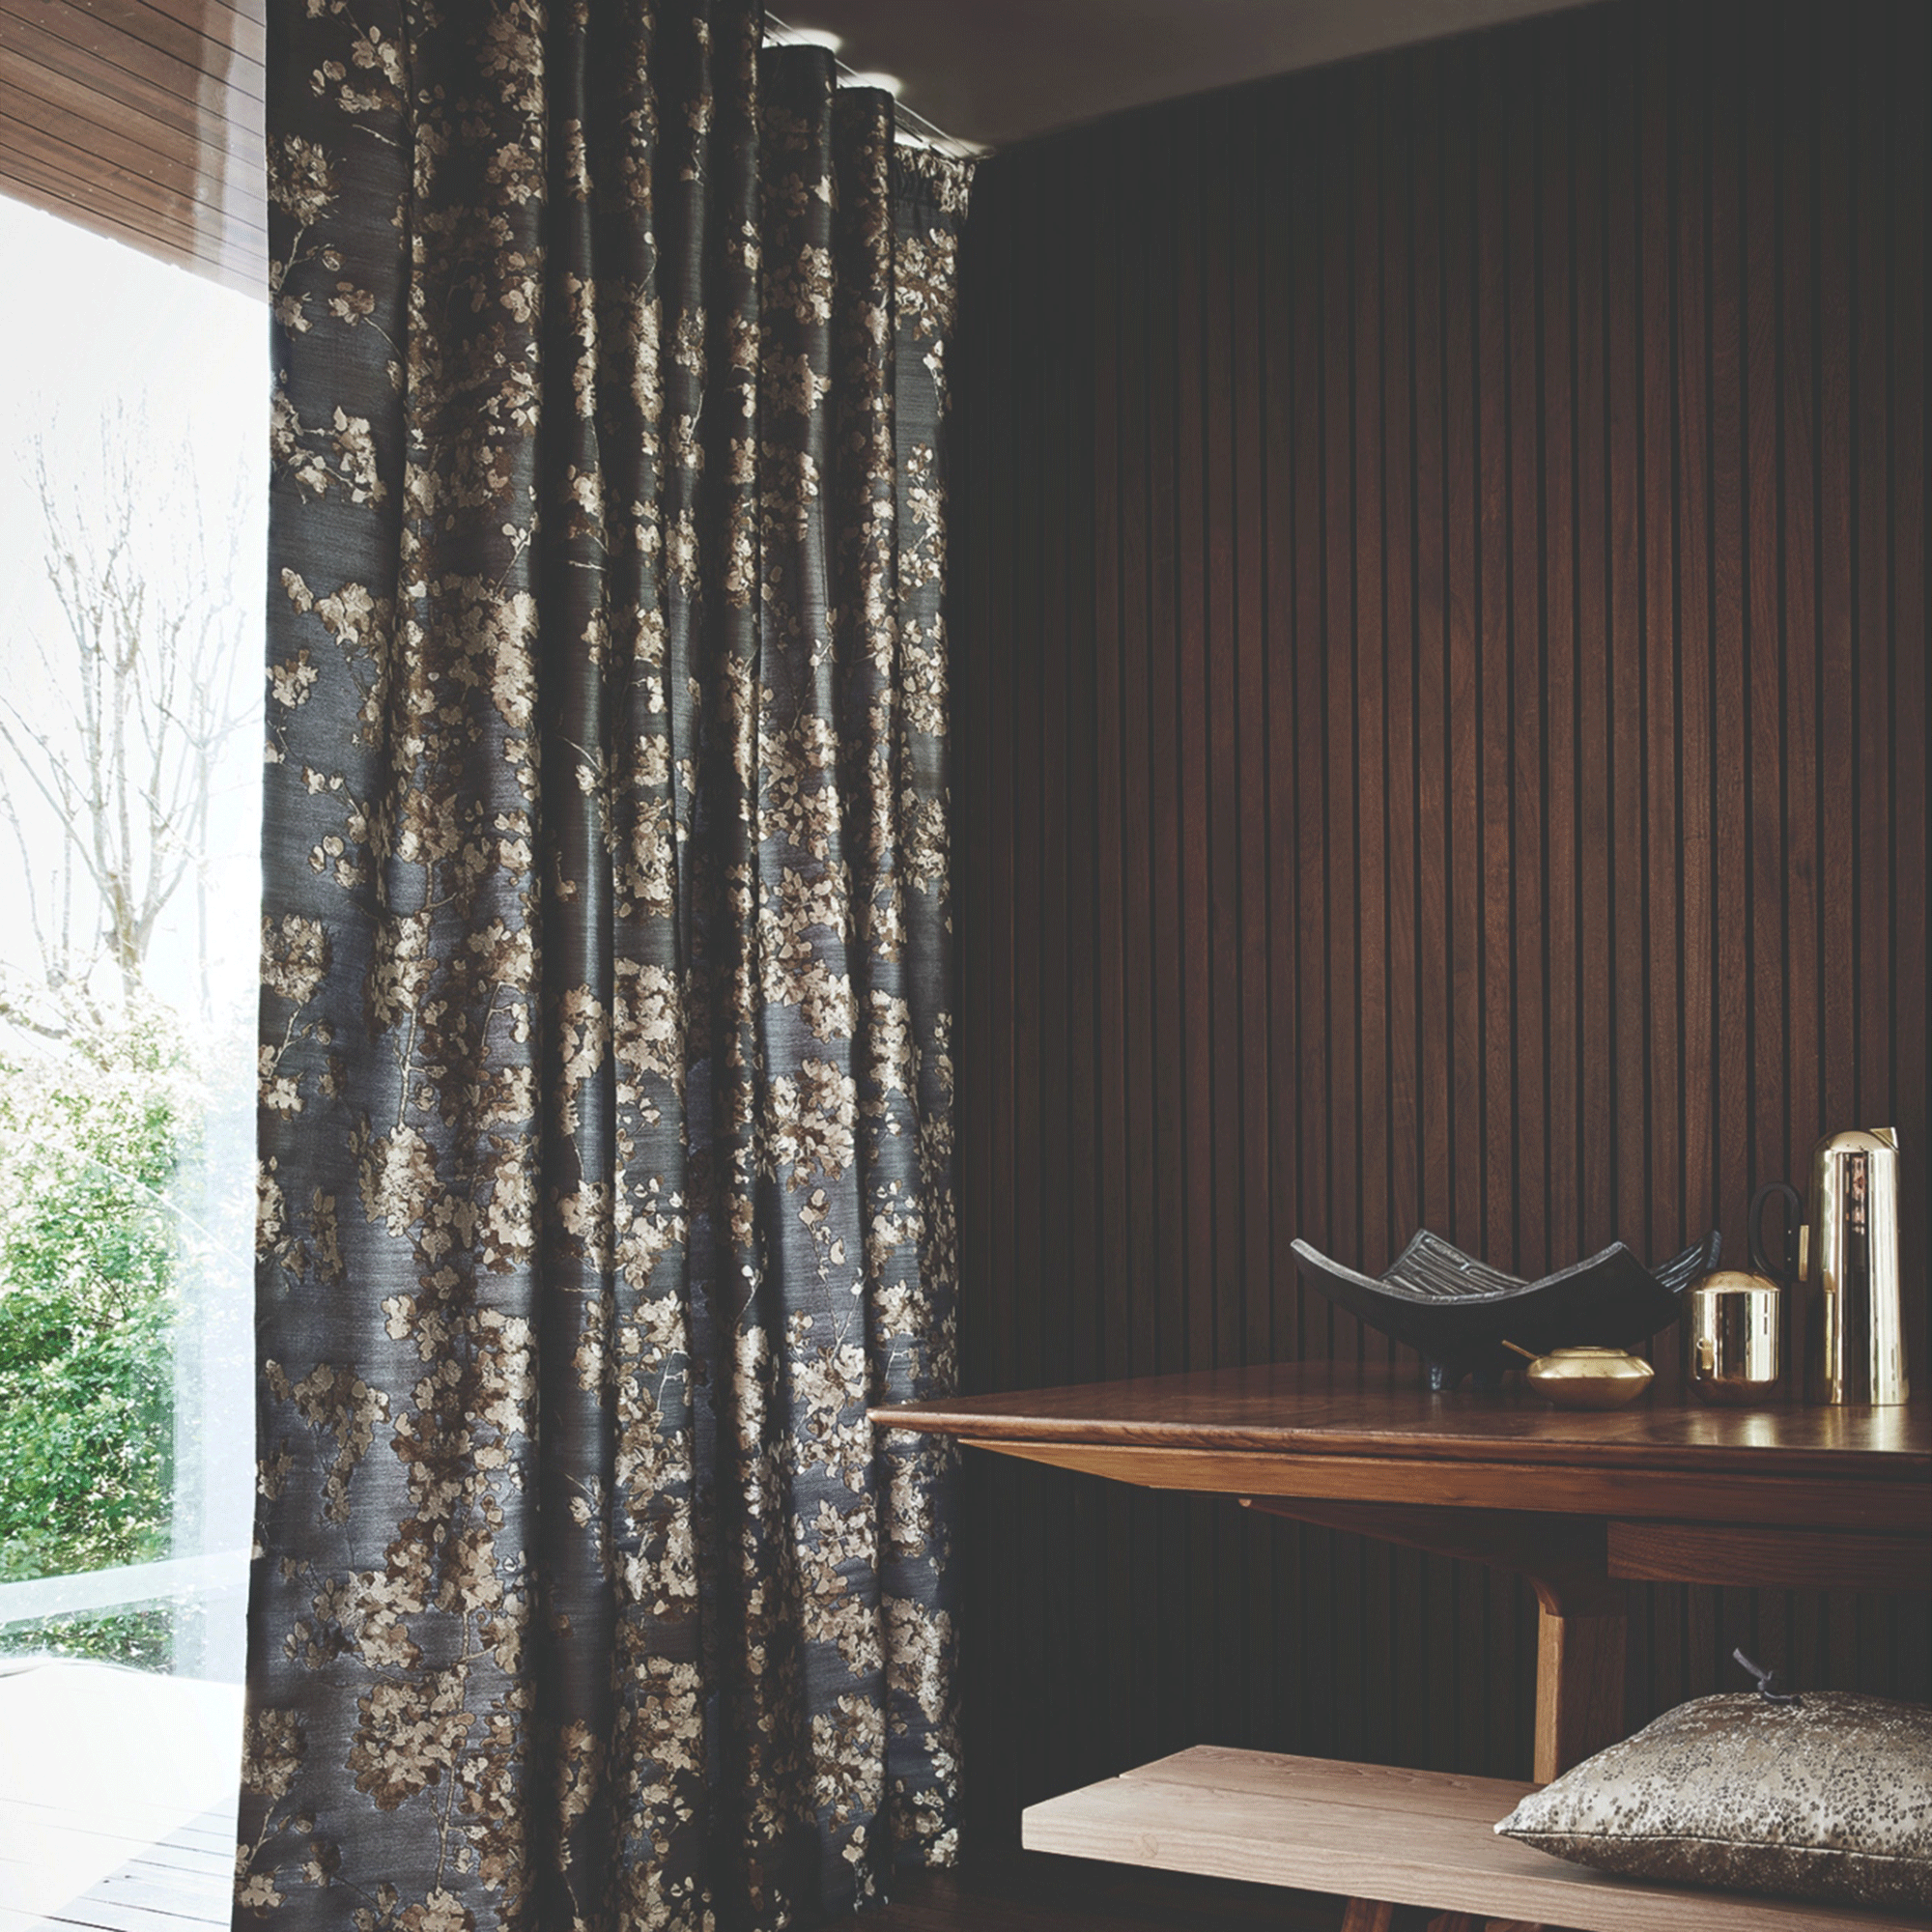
[176,1886]
[116,1798]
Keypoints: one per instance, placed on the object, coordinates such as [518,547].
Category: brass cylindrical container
[1854,1315]
[1731,1323]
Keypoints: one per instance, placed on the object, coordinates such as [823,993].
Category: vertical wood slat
[1906,59]
[1114,1656]
[1442,601]
[1397,1681]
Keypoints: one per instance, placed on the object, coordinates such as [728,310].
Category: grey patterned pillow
[1828,1798]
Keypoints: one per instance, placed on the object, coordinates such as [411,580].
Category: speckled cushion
[1830,1797]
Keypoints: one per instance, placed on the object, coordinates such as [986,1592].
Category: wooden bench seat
[1411,1837]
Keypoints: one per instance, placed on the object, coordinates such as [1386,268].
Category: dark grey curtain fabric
[607,1089]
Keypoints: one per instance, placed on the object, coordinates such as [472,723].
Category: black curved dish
[1456,1313]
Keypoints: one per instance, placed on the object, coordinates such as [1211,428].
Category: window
[131,499]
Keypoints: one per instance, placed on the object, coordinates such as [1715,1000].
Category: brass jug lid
[1735,1281]
[1858,1140]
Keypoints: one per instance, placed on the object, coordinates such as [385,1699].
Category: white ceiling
[997,71]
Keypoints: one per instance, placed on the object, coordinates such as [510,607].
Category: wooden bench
[1391,1837]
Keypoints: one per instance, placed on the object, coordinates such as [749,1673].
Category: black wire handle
[1785,1273]
[1765,1680]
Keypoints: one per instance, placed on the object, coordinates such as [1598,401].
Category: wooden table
[1577,1503]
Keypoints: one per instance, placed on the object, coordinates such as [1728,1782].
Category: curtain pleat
[606,1091]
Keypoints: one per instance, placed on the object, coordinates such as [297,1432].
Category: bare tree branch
[120,745]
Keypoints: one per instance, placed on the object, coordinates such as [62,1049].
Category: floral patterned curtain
[606,1146]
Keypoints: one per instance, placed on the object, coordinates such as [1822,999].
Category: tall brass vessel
[1849,1262]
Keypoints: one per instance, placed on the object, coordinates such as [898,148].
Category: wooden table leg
[1367,1914]
[1373,1914]
[1579,1649]
[1579,1683]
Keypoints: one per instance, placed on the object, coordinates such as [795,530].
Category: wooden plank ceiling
[142,120]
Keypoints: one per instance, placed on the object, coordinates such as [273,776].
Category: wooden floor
[117,1815]
[183,1883]
[1024,1892]
[117,1797]
[180,1884]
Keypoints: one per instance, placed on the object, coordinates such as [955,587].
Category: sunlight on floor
[100,1765]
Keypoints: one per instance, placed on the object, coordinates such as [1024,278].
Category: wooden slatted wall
[1440,653]
[142,120]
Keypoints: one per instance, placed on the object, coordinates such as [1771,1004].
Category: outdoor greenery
[91,1134]
[131,689]
[144,1639]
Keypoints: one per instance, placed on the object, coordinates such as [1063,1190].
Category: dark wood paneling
[1441,651]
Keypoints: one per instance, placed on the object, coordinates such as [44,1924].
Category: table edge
[1907,1466]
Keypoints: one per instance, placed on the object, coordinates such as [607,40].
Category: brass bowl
[1589,1376]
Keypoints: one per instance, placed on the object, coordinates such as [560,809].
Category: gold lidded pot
[1734,1320]
[1731,1325]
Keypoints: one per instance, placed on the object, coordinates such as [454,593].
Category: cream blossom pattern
[607,1089]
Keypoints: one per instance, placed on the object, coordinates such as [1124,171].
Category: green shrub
[144,1639]
[90,1140]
